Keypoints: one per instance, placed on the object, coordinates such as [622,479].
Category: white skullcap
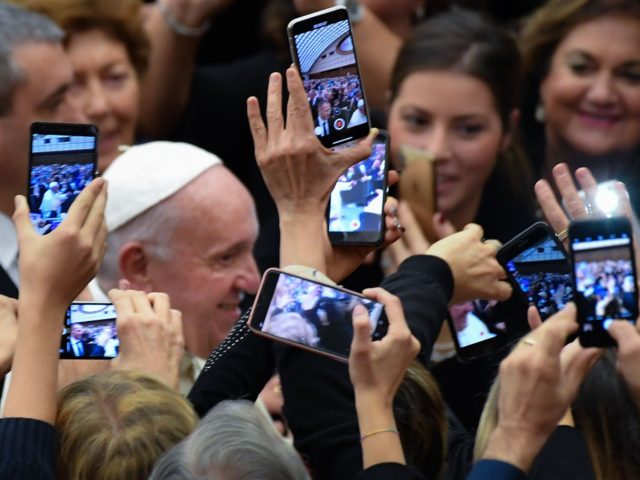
[146,174]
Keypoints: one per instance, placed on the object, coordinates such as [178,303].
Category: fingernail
[394,211]
[359,310]
[274,78]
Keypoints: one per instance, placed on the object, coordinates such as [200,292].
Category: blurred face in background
[591,94]
[107,89]
[453,118]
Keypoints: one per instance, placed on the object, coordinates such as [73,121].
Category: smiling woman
[109,50]
[582,58]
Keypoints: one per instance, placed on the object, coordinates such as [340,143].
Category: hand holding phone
[62,162]
[356,206]
[89,332]
[323,50]
[605,276]
[309,314]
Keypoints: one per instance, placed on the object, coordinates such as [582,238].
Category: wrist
[517,448]
[184,17]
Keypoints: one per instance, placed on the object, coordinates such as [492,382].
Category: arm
[47,289]
[9,329]
[167,81]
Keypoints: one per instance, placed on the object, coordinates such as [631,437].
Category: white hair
[233,442]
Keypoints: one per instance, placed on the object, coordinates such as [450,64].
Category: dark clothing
[565,456]
[28,449]
[318,395]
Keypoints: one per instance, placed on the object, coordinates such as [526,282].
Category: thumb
[361,328]
[361,150]
[21,217]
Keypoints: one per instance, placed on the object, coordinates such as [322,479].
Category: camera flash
[606,200]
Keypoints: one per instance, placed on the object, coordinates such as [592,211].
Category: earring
[540,114]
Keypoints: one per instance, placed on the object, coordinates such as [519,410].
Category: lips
[444,183]
[599,120]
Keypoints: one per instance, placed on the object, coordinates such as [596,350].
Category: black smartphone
[477,328]
[62,161]
[89,332]
[322,48]
[604,275]
[310,315]
[538,267]
[356,208]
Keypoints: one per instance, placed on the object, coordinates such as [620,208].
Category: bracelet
[179,27]
[382,430]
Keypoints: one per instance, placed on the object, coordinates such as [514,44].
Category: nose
[602,90]
[249,278]
[96,102]
[437,143]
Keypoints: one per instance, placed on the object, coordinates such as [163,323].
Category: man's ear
[507,140]
[133,263]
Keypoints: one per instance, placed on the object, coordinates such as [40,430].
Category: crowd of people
[191,206]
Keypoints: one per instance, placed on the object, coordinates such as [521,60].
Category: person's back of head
[233,442]
[419,411]
[19,27]
[607,415]
[114,425]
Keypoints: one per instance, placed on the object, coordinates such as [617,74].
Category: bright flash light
[606,200]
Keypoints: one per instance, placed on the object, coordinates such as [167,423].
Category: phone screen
[323,49]
[605,278]
[543,273]
[61,165]
[311,314]
[356,207]
[90,332]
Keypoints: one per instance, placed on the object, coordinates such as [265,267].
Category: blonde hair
[488,420]
[115,425]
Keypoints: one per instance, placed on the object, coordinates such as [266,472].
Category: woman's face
[453,117]
[591,94]
[106,87]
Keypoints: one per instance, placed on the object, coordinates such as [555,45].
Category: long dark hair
[467,42]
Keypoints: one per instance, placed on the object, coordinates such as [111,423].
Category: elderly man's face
[77,331]
[212,262]
[42,96]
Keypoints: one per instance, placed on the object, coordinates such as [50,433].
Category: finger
[575,367]
[122,302]
[275,123]
[160,304]
[256,125]
[124,284]
[624,333]
[94,221]
[361,329]
[82,205]
[566,187]
[552,210]
[503,291]
[413,236]
[391,206]
[360,151]
[533,317]
[393,177]
[441,226]
[494,244]
[299,117]
[141,303]
[588,184]
[392,305]
[474,230]
[24,228]
[552,334]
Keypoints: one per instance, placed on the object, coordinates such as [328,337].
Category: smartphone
[62,161]
[356,207]
[418,188]
[605,276]
[538,267]
[310,315]
[89,332]
[477,328]
[322,48]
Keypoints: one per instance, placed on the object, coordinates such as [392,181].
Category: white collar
[8,247]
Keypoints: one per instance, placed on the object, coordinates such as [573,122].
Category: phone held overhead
[62,162]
